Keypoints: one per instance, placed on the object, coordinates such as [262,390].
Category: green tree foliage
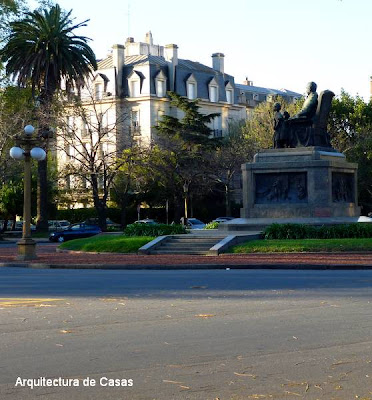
[183,153]
[350,128]
[259,127]
[41,50]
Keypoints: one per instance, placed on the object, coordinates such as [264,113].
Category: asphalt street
[226,334]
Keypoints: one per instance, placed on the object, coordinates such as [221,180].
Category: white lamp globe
[17,153]
[38,153]
[29,130]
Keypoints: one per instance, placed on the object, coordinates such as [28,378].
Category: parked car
[18,226]
[109,222]
[194,223]
[223,219]
[58,225]
[146,221]
[75,231]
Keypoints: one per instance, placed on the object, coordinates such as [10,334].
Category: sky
[276,44]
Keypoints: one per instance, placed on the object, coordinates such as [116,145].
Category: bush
[153,230]
[302,231]
[212,225]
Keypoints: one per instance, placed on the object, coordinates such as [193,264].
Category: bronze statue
[309,126]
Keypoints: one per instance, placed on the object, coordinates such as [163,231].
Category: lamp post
[27,246]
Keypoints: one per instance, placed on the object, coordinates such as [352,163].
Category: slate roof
[266,91]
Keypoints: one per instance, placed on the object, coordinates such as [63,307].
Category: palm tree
[42,51]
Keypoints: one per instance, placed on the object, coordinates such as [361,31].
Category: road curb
[188,266]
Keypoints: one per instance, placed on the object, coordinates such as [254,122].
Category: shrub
[212,225]
[153,230]
[302,231]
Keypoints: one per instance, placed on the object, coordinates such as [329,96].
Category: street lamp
[27,246]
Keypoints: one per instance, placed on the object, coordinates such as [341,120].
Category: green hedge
[153,230]
[212,225]
[302,231]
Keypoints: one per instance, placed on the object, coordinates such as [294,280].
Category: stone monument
[303,179]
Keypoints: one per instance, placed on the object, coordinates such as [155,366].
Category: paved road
[230,334]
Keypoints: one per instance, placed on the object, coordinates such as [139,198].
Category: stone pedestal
[311,184]
[301,182]
[26,249]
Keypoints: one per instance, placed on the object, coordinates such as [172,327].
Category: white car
[194,223]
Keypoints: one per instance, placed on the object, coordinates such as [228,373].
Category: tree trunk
[99,204]
[123,211]
[227,201]
[42,197]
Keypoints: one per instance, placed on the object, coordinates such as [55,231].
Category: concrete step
[187,245]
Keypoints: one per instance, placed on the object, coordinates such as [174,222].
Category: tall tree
[184,144]
[42,50]
[88,137]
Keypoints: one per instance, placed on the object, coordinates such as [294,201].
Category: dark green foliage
[302,231]
[153,230]
[43,49]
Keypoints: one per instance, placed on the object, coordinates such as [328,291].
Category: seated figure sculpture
[300,124]
[309,126]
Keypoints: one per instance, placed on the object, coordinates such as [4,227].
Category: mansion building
[126,97]
[142,73]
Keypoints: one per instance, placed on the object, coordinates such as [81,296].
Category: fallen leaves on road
[293,393]
[205,315]
[245,374]
[65,331]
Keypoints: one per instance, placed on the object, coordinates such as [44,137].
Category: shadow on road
[16,282]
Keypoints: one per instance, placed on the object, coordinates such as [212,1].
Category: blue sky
[277,44]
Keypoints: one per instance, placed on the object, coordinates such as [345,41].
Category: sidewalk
[49,258]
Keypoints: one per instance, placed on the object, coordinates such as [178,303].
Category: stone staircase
[186,244]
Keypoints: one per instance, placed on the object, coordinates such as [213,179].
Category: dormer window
[191,88]
[100,86]
[213,91]
[229,93]
[135,83]
[161,84]
[134,88]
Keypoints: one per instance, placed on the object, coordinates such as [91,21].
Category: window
[160,88]
[213,94]
[135,122]
[134,88]
[213,91]
[98,91]
[217,126]
[229,96]
[191,88]
[191,91]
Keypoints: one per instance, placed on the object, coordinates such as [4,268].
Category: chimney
[218,61]
[149,39]
[171,55]
[247,82]
[118,61]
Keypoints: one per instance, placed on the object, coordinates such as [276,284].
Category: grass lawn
[303,245]
[108,243]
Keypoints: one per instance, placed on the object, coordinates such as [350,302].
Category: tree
[183,145]
[90,135]
[350,128]
[259,128]
[41,51]
[234,150]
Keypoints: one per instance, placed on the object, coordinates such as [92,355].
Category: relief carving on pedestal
[284,187]
[343,187]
